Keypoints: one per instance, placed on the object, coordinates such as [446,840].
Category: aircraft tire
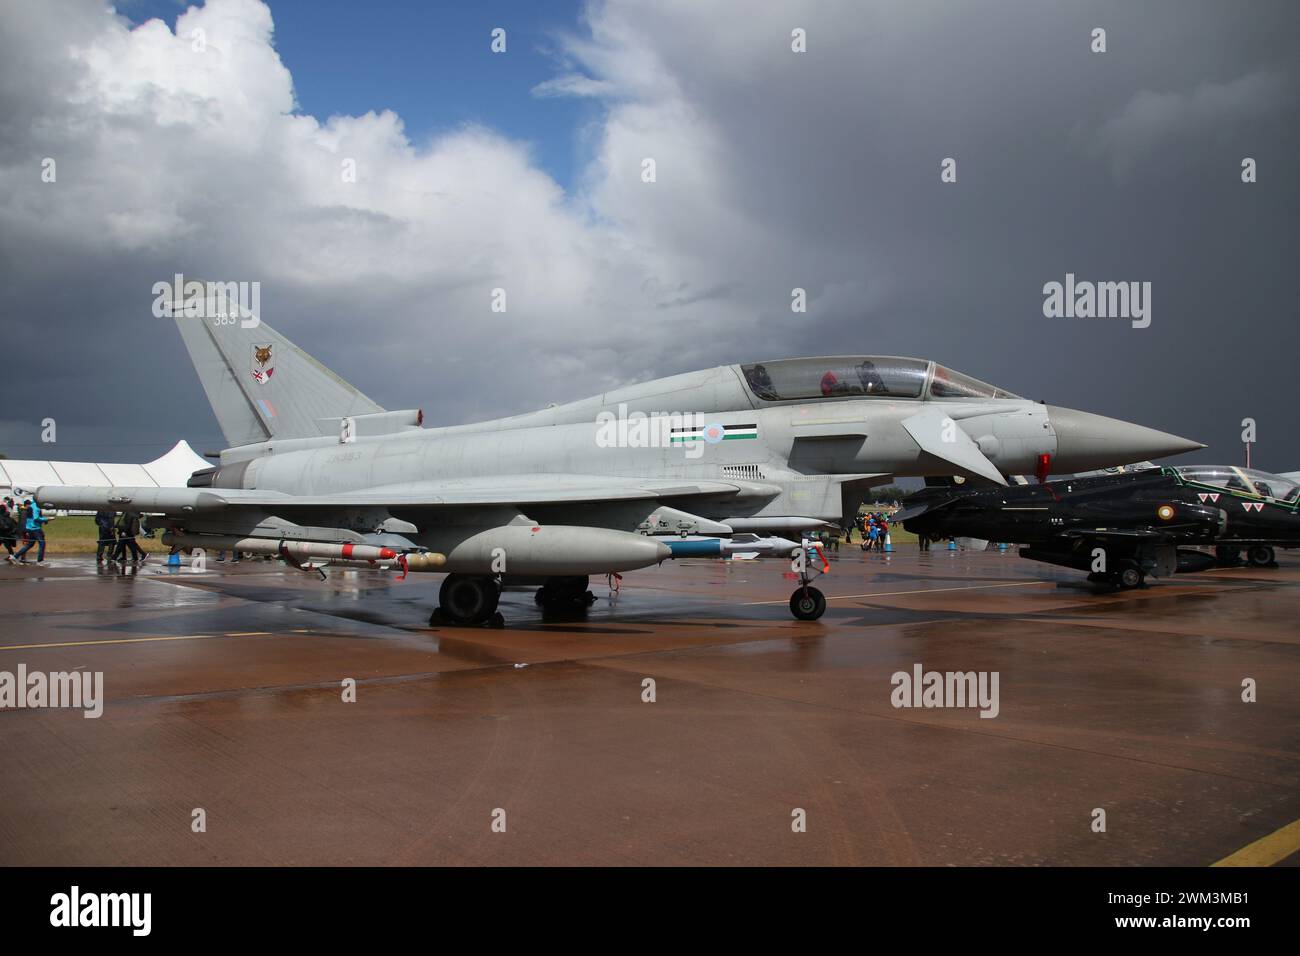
[807,604]
[1261,556]
[468,599]
[1129,576]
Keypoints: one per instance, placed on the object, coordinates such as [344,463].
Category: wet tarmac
[224,692]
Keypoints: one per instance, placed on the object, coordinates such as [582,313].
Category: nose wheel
[807,603]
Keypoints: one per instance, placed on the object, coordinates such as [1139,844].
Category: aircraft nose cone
[1085,441]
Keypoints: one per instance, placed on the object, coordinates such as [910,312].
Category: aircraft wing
[516,490]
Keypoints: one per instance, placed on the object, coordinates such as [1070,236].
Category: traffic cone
[889,545]
[952,544]
[1002,546]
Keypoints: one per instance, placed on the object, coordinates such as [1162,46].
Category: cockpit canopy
[1243,480]
[863,376]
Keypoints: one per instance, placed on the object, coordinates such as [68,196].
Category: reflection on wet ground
[226,690]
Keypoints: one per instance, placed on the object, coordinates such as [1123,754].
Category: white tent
[172,470]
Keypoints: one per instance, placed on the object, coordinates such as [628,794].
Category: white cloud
[775,170]
[1151,121]
[573,84]
[184,149]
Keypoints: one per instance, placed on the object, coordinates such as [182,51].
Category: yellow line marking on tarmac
[130,640]
[1266,851]
[969,587]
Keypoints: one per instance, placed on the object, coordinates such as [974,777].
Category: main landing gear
[469,600]
[1125,577]
[564,595]
[1261,556]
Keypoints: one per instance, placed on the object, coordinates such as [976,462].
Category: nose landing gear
[807,603]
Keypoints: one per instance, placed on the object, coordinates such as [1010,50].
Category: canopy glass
[864,376]
[1244,480]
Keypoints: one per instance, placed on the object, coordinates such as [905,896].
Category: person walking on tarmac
[22,512]
[128,526]
[8,530]
[106,541]
[35,526]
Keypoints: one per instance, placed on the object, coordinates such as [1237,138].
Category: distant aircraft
[1125,526]
[316,470]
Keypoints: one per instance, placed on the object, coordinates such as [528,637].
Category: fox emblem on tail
[262,371]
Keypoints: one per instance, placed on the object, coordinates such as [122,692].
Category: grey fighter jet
[623,480]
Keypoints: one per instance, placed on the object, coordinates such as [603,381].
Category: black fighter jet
[1125,526]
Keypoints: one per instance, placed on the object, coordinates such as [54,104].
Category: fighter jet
[1261,509]
[622,480]
[1124,526]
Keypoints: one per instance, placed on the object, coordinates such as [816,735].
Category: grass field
[77,534]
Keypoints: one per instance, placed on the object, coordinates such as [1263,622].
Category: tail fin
[260,384]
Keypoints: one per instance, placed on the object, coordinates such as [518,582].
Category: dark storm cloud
[775,170]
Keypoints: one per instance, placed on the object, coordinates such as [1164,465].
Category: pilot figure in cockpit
[871,381]
[761,382]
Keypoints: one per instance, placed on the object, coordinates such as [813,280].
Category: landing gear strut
[1227,557]
[468,600]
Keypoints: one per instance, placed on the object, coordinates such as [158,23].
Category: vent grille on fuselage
[746,472]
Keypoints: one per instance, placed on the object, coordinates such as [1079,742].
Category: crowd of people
[873,526]
[22,527]
[117,538]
